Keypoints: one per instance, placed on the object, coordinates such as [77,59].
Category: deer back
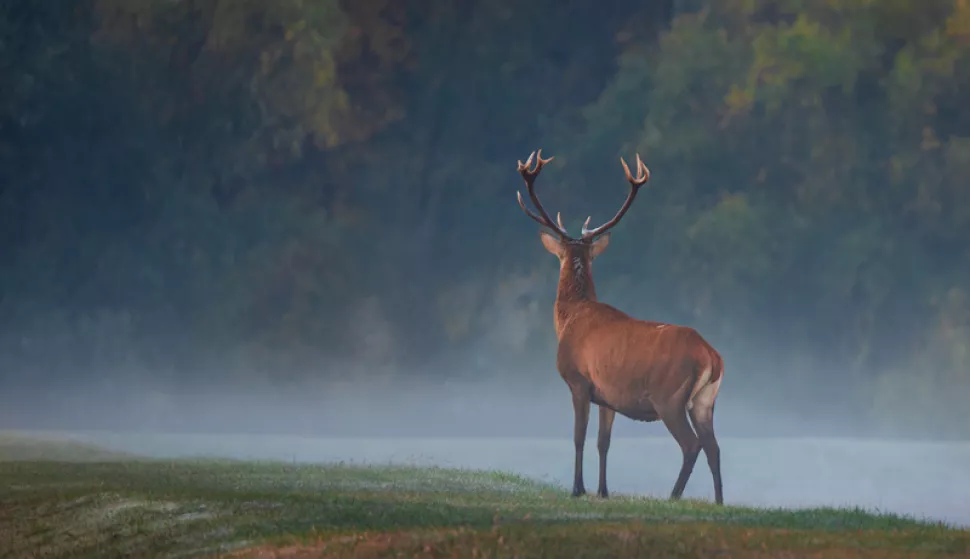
[612,349]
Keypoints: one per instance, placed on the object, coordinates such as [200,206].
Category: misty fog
[497,406]
[475,409]
[771,456]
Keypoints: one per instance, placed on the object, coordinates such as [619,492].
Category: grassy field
[74,500]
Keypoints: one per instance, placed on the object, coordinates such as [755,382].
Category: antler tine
[643,175]
[559,221]
[529,175]
[529,212]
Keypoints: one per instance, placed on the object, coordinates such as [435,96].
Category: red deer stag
[644,370]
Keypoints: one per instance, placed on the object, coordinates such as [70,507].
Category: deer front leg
[603,445]
[581,412]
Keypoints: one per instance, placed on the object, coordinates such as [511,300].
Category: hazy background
[299,217]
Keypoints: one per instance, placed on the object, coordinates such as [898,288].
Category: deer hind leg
[676,421]
[581,412]
[702,417]
[603,446]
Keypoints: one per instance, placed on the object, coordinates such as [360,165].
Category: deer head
[572,252]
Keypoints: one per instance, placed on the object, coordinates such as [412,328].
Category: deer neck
[575,286]
[575,281]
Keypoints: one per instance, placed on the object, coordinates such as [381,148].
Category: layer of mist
[774,453]
[771,456]
[416,407]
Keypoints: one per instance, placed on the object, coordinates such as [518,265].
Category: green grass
[19,447]
[56,503]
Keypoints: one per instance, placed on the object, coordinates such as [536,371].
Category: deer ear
[552,244]
[599,245]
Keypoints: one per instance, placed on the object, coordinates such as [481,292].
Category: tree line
[261,184]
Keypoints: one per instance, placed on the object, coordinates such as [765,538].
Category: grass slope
[116,506]
[14,446]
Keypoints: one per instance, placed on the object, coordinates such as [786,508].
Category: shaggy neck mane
[575,281]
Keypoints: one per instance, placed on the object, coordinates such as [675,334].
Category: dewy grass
[118,507]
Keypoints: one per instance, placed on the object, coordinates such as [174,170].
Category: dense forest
[327,188]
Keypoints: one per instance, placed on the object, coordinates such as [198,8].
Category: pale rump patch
[702,381]
[704,400]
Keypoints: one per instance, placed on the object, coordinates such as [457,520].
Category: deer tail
[712,372]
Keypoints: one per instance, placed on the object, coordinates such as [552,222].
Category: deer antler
[529,175]
[643,175]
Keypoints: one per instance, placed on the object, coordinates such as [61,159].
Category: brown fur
[644,370]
